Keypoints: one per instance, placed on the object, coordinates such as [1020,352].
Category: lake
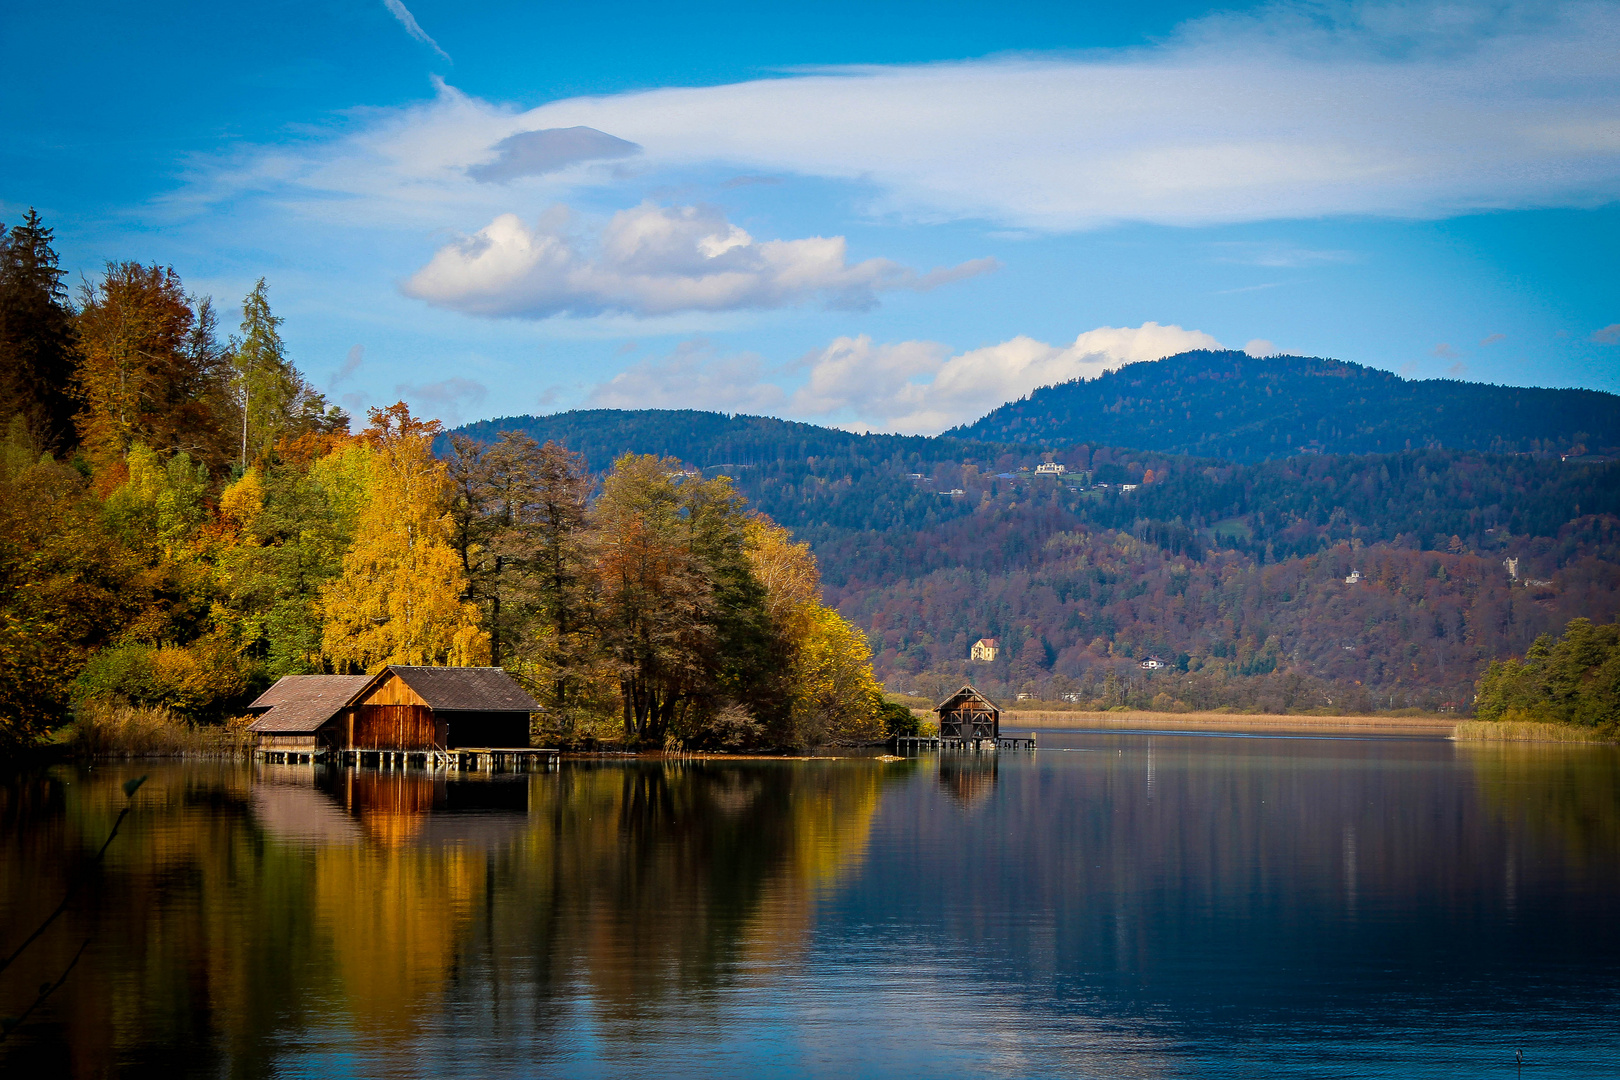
[1116,904]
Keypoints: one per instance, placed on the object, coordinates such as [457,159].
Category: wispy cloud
[1249,288]
[412,27]
[1275,253]
[912,387]
[653,260]
[1491,339]
[1296,112]
[448,400]
[351,364]
[1609,335]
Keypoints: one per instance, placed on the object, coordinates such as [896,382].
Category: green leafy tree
[1574,680]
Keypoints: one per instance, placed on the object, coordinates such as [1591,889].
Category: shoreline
[1213,721]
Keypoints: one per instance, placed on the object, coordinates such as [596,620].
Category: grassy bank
[1527,731]
[1228,721]
[124,731]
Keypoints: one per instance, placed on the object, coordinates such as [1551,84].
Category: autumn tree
[284,529]
[38,347]
[401,598]
[829,687]
[655,615]
[518,514]
[150,370]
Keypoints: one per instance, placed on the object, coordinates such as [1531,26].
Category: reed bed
[1526,731]
[125,731]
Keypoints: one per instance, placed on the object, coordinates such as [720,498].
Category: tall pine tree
[37,341]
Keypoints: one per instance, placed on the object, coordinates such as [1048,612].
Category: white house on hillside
[986,649]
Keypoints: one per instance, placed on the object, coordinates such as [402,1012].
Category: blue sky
[891,216]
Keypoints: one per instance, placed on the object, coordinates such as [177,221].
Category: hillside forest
[1233,574]
[184,519]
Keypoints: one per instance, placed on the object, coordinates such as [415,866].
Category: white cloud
[884,385]
[653,260]
[449,399]
[693,377]
[399,11]
[1260,347]
[1299,111]
[911,387]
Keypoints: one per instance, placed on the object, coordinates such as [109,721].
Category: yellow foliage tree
[241,502]
[835,696]
[400,598]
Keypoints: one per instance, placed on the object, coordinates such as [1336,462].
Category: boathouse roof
[302,703]
[299,703]
[464,689]
[968,694]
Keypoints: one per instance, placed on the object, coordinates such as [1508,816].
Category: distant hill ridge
[1227,404]
[711,438]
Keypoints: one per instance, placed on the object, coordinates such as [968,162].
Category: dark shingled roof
[299,703]
[466,689]
[964,694]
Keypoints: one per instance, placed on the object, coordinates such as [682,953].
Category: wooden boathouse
[968,715]
[401,713]
[968,720]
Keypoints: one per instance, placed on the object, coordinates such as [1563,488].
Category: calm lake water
[1116,905]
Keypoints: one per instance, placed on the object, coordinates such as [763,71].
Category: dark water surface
[1124,905]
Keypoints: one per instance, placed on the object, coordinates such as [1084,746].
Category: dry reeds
[104,730]
[1525,731]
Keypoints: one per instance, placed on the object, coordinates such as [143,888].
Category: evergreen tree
[37,341]
[266,384]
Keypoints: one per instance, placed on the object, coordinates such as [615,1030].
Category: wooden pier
[916,744]
[460,759]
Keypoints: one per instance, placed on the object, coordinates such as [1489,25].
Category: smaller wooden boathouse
[969,715]
[968,720]
[438,715]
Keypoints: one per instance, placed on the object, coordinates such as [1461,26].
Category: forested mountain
[1232,572]
[1232,405]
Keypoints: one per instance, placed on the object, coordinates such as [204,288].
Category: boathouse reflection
[968,777]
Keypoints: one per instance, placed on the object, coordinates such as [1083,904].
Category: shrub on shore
[104,730]
[1509,730]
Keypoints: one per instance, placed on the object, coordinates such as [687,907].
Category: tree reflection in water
[241,907]
[1564,791]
